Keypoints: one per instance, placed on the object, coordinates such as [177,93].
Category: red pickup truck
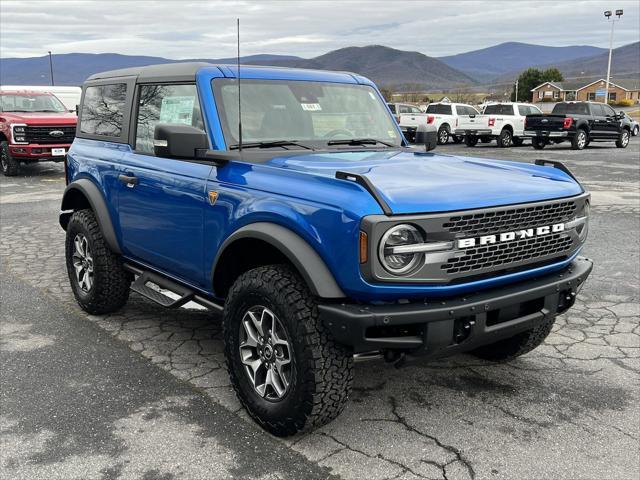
[34,127]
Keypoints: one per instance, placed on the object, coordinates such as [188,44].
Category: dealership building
[620,89]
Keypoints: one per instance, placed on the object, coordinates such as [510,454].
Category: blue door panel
[162,216]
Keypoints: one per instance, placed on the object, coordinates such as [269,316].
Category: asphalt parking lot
[144,394]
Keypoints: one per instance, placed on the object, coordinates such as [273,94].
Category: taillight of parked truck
[492,122]
[430,119]
[567,123]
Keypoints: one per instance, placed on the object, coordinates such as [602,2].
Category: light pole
[613,23]
[517,79]
[51,68]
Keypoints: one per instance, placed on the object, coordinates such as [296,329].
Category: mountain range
[488,63]
[397,69]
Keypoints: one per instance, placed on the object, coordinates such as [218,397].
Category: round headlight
[398,236]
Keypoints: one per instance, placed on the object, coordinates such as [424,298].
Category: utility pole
[517,80]
[613,23]
[51,68]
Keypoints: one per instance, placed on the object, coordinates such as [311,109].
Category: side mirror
[428,136]
[621,114]
[171,140]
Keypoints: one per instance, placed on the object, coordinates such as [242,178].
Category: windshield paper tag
[311,107]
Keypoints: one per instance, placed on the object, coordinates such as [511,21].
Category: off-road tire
[457,138]
[443,135]
[505,139]
[322,370]
[471,140]
[538,143]
[580,140]
[513,347]
[111,282]
[10,166]
[623,140]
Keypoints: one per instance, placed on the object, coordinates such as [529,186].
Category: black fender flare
[313,269]
[96,200]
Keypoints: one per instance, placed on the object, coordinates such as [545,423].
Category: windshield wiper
[360,141]
[274,143]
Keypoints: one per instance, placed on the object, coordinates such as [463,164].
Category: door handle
[130,181]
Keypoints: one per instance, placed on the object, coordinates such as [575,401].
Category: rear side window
[439,108]
[527,110]
[165,104]
[498,109]
[464,110]
[572,109]
[103,110]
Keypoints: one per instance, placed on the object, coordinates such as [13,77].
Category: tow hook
[394,356]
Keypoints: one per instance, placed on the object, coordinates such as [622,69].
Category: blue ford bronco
[289,202]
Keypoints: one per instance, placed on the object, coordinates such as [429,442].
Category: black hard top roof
[180,72]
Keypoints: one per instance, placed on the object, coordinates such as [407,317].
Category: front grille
[510,219]
[507,254]
[41,135]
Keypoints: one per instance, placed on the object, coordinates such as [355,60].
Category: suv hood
[426,182]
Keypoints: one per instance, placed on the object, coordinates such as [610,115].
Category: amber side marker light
[364,245]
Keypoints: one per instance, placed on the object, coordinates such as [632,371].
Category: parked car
[580,123]
[503,122]
[445,117]
[634,125]
[69,96]
[34,127]
[312,227]
[409,117]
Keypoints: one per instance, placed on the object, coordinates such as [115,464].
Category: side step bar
[184,294]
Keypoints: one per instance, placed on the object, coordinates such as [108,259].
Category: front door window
[165,104]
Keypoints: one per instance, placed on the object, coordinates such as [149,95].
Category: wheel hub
[265,353]
[82,262]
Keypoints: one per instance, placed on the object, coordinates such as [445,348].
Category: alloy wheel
[265,353]
[444,136]
[82,262]
[625,138]
[582,140]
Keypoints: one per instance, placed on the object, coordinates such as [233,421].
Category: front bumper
[37,152]
[545,134]
[471,132]
[441,328]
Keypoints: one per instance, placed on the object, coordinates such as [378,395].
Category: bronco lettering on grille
[510,236]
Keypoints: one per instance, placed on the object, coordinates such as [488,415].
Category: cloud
[206,29]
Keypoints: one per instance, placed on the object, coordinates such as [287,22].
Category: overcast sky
[206,29]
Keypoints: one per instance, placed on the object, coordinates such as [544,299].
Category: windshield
[311,113]
[31,103]
[571,109]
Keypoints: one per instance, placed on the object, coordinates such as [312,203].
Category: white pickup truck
[409,117]
[445,118]
[503,122]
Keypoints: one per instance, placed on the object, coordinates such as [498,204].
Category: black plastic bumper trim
[349,322]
